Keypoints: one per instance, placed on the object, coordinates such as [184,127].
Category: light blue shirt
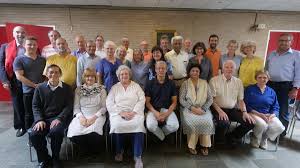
[285,67]
[77,53]
[86,61]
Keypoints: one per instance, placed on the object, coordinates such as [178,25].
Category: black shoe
[20,132]
[230,141]
[57,164]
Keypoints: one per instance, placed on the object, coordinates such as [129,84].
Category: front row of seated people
[222,99]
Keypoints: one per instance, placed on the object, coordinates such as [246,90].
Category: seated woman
[261,102]
[158,55]
[125,104]
[197,120]
[89,112]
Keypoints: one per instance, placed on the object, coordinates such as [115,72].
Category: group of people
[79,90]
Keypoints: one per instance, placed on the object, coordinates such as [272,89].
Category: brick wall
[141,24]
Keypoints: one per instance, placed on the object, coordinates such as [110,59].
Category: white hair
[176,38]
[229,62]
[161,63]
[107,43]
[122,68]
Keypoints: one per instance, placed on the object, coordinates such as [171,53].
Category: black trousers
[27,100]
[38,139]
[89,143]
[16,93]
[282,90]
[233,115]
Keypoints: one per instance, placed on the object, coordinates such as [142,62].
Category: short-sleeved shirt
[226,92]
[108,72]
[179,63]
[160,94]
[33,70]
[214,58]
[68,66]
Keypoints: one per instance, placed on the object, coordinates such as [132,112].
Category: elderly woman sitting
[261,102]
[197,120]
[89,112]
[125,104]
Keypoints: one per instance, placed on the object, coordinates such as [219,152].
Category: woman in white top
[86,127]
[125,104]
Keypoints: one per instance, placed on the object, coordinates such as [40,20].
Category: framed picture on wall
[168,33]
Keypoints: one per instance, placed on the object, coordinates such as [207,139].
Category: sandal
[204,151]
[193,151]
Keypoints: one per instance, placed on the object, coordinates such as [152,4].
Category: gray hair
[176,38]
[161,63]
[107,43]
[122,68]
[229,62]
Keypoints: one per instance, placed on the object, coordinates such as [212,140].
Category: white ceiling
[272,5]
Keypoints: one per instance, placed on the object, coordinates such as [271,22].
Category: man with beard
[67,62]
[214,54]
[283,66]
[8,53]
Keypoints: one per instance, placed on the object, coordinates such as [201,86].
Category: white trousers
[172,124]
[263,130]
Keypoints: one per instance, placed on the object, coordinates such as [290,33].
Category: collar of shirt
[180,53]
[289,51]
[101,49]
[211,51]
[54,87]
[225,79]
[78,52]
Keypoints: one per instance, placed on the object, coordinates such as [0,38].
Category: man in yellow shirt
[67,62]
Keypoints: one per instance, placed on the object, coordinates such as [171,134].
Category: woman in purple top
[262,104]
[107,67]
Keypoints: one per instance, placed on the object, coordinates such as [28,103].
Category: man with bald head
[67,62]
[125,43]
[8,53]
[81,50]
[89,60]
[51,48]
[227,92]
[144,46]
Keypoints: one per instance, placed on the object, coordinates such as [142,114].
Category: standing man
[52,108]
[125,43]
[179,60]
[164,43]
[51,48]
[89,60]
[8,53]
[188,47]
[100,46]
[214,54]
[283,66]
[66,62]
[80,41]
[144,46]
[29,70]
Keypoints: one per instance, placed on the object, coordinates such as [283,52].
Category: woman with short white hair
[125,104]
[107,67]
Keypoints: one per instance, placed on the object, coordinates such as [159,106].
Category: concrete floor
[14,153]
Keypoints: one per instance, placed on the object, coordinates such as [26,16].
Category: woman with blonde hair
[86,127]
[250,64]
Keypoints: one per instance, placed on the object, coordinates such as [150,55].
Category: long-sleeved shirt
[284,67]
[84,62]
[48,103]
[78,53]
[139,73]
[265,102]
[206,67]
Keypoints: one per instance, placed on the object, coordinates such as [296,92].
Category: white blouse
[88,106]
[131,99]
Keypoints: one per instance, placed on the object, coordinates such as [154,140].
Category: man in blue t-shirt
[29,70]
[161,100]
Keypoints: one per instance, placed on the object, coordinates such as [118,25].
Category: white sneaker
[138,162]
[253,141]
[263,144]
